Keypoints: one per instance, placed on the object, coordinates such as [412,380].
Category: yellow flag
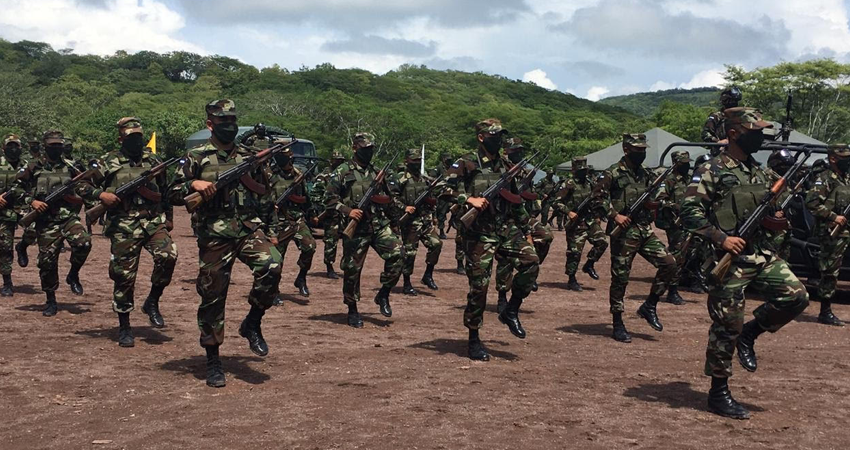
[152,143]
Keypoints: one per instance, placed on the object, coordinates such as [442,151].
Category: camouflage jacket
[469,177]
[544,187]
[8,174]
[410,186]
[41,177]
[573,193]
[671,194]
[147,211]
[722,194]
[828,198]
[713,129]
[234,212]
[293,210]
[347,186]
[618,187]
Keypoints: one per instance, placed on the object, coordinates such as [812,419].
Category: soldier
[332,220]
[670,196]
[421,226]
[583,228]
[700,253]
[827,201]
[57,224]
[228,229]
[10,164]
[502,229]
[346,188]
[141,220]
[713,130]
[619,187]
[545,186]
[541,234]
[709,210]
[443,206]
[30,236]
[288,222]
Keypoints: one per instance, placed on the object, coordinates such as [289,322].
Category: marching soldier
[443,206]
[10,164]
[713,130]
[617,188]
[332,219]
[545,186]
[57,224]
[581,228]
[827,201]
[143,220]
[502,229]
[30,237]
[228,228]
[671,195]
[346,188]
[421,226]
[721,195]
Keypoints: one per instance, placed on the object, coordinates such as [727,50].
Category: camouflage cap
[679,156]
[221,108]
[579,162]
[337,156]
[129,125]
[362,140]
[748,118]
[11,138]
[514,144]
[491,126]
[840,150]
[636,140]
[53,137]
[414,154]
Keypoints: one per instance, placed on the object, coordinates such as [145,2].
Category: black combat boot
[7,289]
[354,319]
[382,299]
[73,280]
[720,400]
[746,345]
[590,270]
[408,287]
[21,250]
[460,269]
[510,317]
[573,285]
[620,333]
[477,351]
[215,376]
[648,312]
[250,330]
[50,307]
[301,283]
[151,307]
[125,333]
[443,234]
[428,277]
[331,272]
[674,297]
[278,300]
[825,317]
[534,286]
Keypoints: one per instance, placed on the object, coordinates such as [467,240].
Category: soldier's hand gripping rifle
[500,188]
[640,203]
[367,199]
[423,197]
[580,211]
[288,194]
[138,184]
[754,221]
[554,190]
[240,172]
[52,199]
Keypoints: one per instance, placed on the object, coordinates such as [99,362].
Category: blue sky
[591,48]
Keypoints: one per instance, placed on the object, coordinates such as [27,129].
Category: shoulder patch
[696,178]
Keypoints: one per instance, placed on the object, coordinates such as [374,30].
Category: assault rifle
[420,200]
[754,221]
[641,201]
[499,188]
[555,189]
[581,210]
[291,189]
[138,184]
[240,172]
[528,180]
[53,198]
[370,196]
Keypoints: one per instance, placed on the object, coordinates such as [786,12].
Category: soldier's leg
[164,252]
[123,266]
[50,241]
[388,246]
[7,244]
[410,240]
[431,240]
[676,238]
[623,251]
[575,244]
[599,241]
[460,255]
[653,250]
[216,258]
[80,242]
[30,237]
[307,248]
[519,253]
[829,264]
[544,212]
[785,296]
[504,280]
[480,254]
[330,240]
[353,256]
[542,236]
[265,262]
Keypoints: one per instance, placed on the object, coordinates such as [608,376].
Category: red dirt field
[403,382]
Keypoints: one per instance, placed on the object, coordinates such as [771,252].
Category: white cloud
[539,78]
[596,92]
[661,85]
[706,78]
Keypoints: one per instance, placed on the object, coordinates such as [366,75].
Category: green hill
[84,95]
[645,104]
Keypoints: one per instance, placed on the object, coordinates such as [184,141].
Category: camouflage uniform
[421,226]
[8,215]
[671,195]
[712,130]
[545,187]
[587,228]
[332,220]
[443,205]
[710,211]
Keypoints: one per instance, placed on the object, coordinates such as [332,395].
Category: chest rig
[240,196]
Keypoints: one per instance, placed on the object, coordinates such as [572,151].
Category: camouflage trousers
[331,239]
[51,235]
[424,232]
[542,237]
[124,264]
[677,237]
[386,244]
[30,236]
[459,255]
[784,295]
[545,209]
[7,246]
[216,257]
[442,213]
[831,256]
[480,250]
[638,239]
[303,237]
[576,238]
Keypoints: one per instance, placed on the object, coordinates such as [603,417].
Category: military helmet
[702,159]
[780,161]
[731,94]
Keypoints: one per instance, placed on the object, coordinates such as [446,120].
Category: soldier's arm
[817,199]
[698,203]
[709,129]
[602,195]
[91,188]
[455,175]
[183,177]
[334,194]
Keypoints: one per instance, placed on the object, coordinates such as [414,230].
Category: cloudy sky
[591,48]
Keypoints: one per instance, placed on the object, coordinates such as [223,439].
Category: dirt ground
[403,382]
